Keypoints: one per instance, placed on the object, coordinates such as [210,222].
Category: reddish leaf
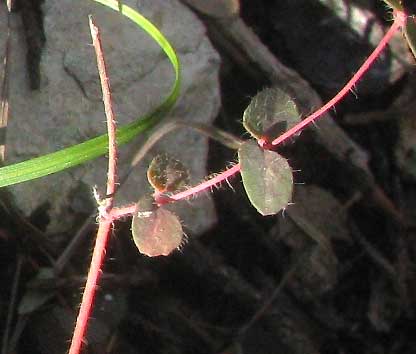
[156,231]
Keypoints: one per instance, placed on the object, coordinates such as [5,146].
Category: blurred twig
[4,93]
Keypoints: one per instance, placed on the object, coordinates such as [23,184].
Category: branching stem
[108,214]
[399,22]
[104,228]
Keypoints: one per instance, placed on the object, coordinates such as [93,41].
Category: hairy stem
[105,222]
[399,22]
[214,133]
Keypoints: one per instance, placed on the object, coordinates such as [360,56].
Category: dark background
[334,273]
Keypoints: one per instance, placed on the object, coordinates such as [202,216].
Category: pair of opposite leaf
[267,176]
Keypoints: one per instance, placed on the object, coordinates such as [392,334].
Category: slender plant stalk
[214,133]
[108,214]
[104,227]
[4,91]
[5,348]
[117,213]
[399,22]
[77,154]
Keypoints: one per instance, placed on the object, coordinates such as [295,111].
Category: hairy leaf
[156,231]
[267,178]
[167,174]
[270,113]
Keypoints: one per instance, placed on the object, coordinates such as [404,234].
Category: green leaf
[270,113]
[167,174]
[88,150]
[267,178]
[156,231]
[410,34]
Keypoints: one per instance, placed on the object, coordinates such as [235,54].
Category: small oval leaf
[267,178]
[167,174]
[156,231]
[270,113]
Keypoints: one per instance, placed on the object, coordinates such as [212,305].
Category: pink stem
[207,184]
[104,228]
[112,214]
[90,286]
[117,213]
[399,21]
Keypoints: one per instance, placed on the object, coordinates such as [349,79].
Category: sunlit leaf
[267,178]
[167,174]
[156,231]
[270,113]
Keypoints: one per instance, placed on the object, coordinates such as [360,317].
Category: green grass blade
[88,150]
